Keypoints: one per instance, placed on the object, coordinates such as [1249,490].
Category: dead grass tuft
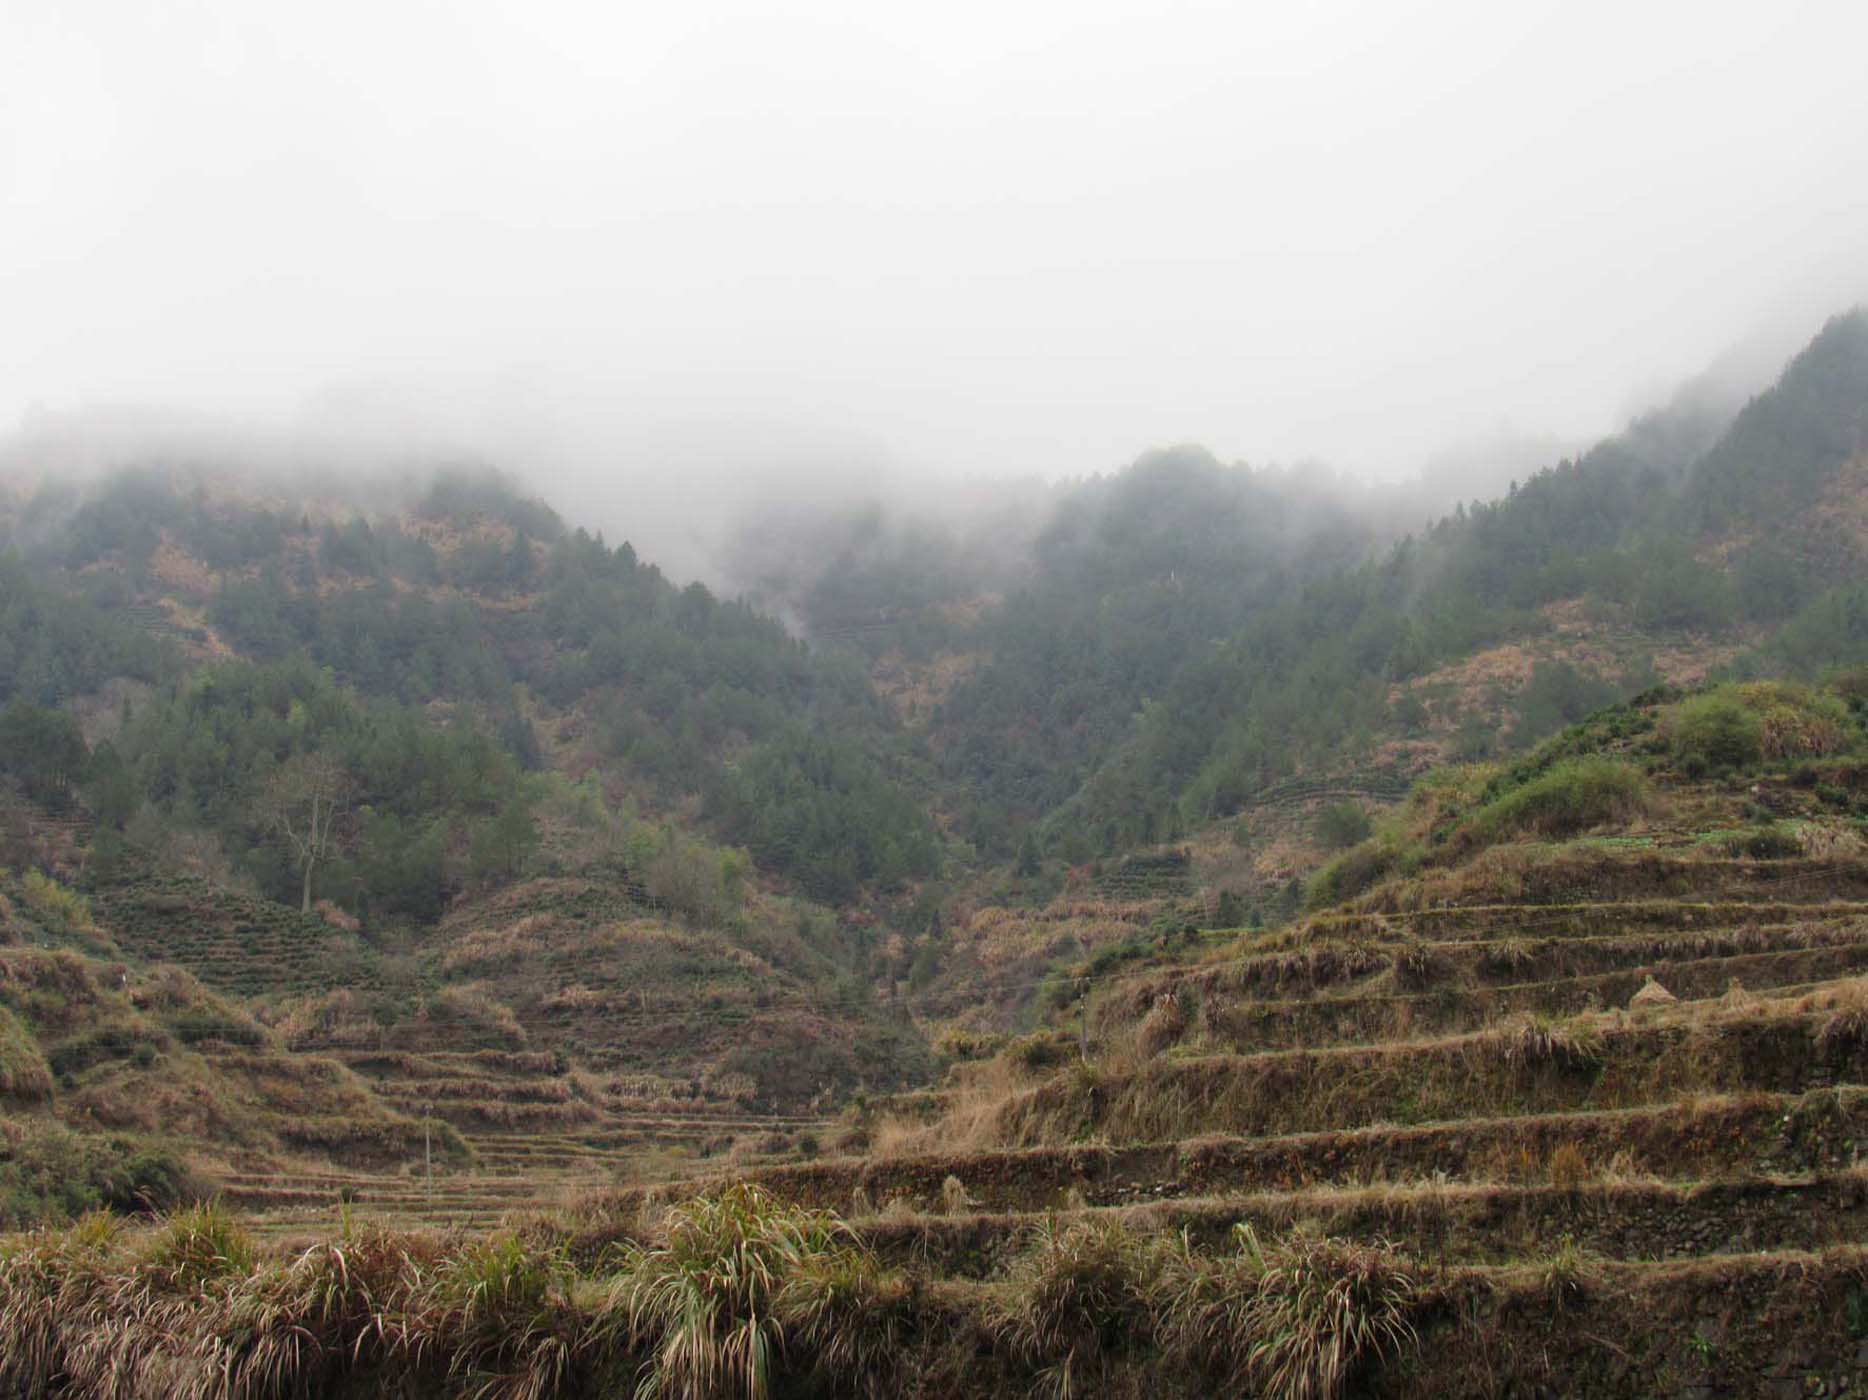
[1533,1043]
[1162,1027]
[1845,1030]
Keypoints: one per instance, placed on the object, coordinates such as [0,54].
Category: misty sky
[978,236]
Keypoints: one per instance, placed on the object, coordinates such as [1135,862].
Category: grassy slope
[104,1059]
[1579,1040]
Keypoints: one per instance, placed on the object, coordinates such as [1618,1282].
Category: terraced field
[540,1135]
[1666,1096]
[234,943]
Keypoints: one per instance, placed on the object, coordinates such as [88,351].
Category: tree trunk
[304,905]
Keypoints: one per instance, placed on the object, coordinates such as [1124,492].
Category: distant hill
[1188,634]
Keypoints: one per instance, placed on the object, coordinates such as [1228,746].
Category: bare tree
[305,801]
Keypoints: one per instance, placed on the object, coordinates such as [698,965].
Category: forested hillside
[1183,634]
[533,838]
[480,601]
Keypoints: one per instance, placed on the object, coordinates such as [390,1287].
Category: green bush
[1716,733]
[1764,843]
[1342,824]
[59,909]
[60,1175]
[24,1074]
[1569,797]
[1351,873]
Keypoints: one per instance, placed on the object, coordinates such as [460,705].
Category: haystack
[1651,994]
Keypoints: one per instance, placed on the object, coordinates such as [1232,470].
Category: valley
[1220,947]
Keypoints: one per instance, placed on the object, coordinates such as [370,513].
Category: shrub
[1851,684]
[1764,843]
[1342,824]
[24,1073]
[59,909]
[1569,797]
[147,1180]
[57,1175]
[1802,731]
[1354,871]
[1715,732]
[1040,1051]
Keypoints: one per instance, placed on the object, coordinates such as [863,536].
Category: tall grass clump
[498,1311]
[1298,1320]
[1205,1306]
[1845,1029]
[1568,797]
[1567,1276]
[189,1310]
[1323,1309]
[45,1279]
[741,1273]
[1076,1297]
[845,1321]
[199,1244]
[341,1305]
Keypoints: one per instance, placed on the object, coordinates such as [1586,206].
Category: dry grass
[336,917]
[968,1122]
[1533,1043]
[954,1197]
[1163,1025]
[1569,1168]
[740,1277]
[1078,1295]
[1323,1309]
[1844,1030]
[1568,1276]
[1822,841]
